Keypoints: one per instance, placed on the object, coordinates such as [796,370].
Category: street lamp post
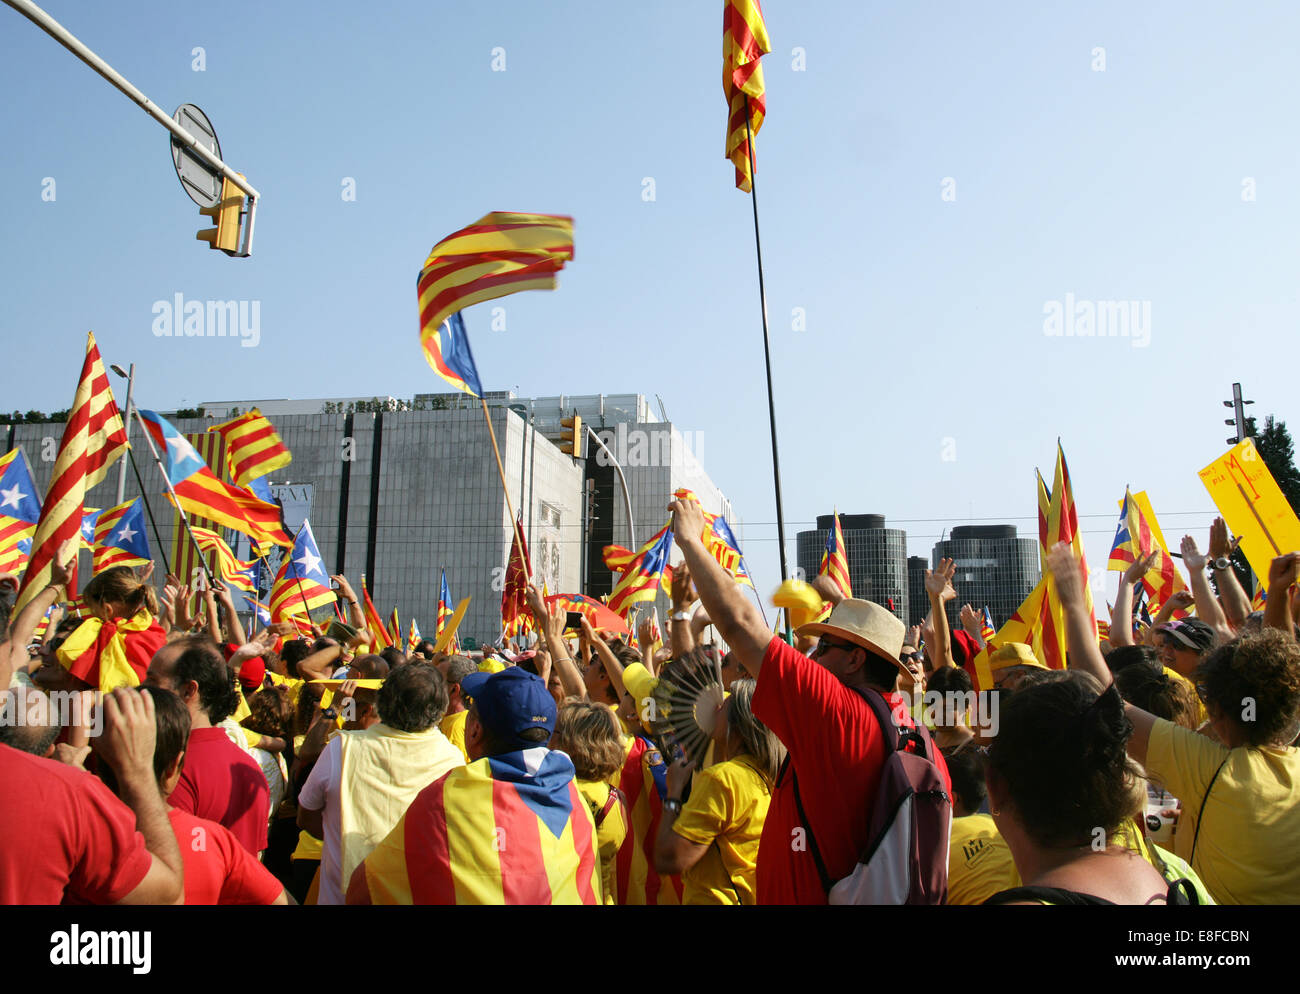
[130,382]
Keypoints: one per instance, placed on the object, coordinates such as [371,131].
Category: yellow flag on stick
[1252,505]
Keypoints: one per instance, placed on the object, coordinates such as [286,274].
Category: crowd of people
[150,756]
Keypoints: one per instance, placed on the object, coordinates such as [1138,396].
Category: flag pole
[175,501]
[162,549]
[767,352]
[501,470]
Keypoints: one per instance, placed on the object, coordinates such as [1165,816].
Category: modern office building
[918,602]
[993,567]
[877,557]
[398,490]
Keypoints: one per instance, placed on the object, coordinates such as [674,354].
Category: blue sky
[924,386]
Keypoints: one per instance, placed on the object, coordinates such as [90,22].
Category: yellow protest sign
[1252,504]
[453,623]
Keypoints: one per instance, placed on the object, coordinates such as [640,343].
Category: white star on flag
[310,562]
[126,534]
[183,448]
[12,497]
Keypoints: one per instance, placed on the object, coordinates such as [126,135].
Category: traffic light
[572,437]
[1238,420]
[225,213]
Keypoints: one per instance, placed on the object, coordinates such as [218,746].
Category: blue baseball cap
[511,702]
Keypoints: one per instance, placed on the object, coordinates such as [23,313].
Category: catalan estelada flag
[120,538]
[1062,526]
[744,42]
[1025,625]
[1137,536]
[302,585]
[92,438]
[643,782]
[253,449]
[642,577]
[379,638]
[499,254]
[395,629]
[1260,599]
[835,563]
[20,509]
[233,571]
[446,608]
[447,349]
[987,629]
[508,829]
[719,540]
[198,490]
[413,639]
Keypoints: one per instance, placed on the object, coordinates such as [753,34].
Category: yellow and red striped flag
[93,438]
[499,254]
[835,562]
[253,449]
[379,638]
[446,849]
[744,42]
[119,536]
[232,570]
[395,629]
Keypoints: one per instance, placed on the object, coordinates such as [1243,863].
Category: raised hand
[65,562]
[1192,557]
[939,581]
[683,591]
[1140,567]
[1181,600]
[688,521]
[970,620]
[1282,572]
[1067,570]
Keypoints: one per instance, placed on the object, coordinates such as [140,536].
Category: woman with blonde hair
[589,734]
[711,839]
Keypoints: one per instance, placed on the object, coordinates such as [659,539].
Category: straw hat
[863,623]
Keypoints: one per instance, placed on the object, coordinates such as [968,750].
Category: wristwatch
[673,804]
[1221,563]
[680,616]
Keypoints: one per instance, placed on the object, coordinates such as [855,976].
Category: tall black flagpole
[767,354]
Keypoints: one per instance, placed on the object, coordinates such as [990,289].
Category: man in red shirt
[836,748]
[63,835]
[220,781]
[218,869]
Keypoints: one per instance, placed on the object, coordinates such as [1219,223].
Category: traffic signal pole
[69,41]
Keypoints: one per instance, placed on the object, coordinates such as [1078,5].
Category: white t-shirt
[272,765]
[321,793]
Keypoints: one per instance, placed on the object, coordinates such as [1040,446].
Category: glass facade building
[877,557]
[994,567]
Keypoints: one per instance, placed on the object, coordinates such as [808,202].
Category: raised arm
[13,651]
[737,619]
[681,636]
[938,585]
[552,628]
[613,667]
[234,628]
[320,664]
[1277,608]
[1235,603]
[1207,605]
[356,616]
[1121,615]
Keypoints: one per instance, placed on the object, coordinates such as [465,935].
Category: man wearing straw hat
[821,806]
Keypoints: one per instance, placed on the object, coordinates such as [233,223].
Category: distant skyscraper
[994,567]
[918,604]
[877,557]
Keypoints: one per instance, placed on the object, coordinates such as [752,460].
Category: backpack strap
[1201,812]
[1182,893]
[1045,895]
[615,797]
[825,877]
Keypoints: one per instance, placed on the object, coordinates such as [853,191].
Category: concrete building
[877,557]
[399,489]
[993,567]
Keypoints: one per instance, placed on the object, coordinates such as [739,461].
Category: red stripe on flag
[523,868]
[428,857]
[584,843]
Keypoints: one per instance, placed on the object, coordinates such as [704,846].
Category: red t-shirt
[837,750]
[224,784]
[218,869]
[64,834]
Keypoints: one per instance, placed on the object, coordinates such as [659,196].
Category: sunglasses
[823,644]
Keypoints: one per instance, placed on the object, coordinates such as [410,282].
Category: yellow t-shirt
[293,683]
[979,862]
[1245,853]
[609,833]
[453,726]
[727,806]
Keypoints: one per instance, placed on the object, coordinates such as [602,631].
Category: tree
[1278,452]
